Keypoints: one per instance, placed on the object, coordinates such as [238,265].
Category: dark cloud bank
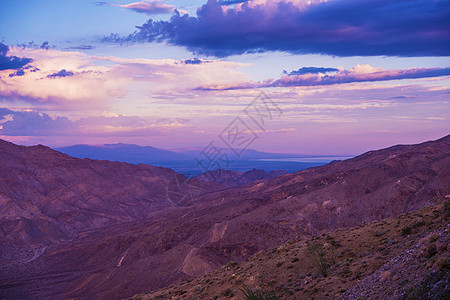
[338,27]
[11,62]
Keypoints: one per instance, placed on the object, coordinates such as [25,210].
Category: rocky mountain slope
[215,227]
[46,196]
[407,257]
[230,178]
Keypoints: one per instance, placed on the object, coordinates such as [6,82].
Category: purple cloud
[81,47]
[231,2]
[149,8]
[4,112]
[34,123]
[342,28]
[46,46]
[360,73]
[193,61]
[25,123]
[310,70]
[62,73]
[11,62]
[20,72]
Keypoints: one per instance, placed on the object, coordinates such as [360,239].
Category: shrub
[443,263]
[263,295]
[232,264]
[447,208]
[434,238]
[316,249]
[228,293]
[406,230]
[430,251]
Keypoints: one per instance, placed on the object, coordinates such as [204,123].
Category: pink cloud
[146,7]
[359,73]
[70,79]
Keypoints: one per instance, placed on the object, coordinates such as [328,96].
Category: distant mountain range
[83,228]
[184,160]
[133,154]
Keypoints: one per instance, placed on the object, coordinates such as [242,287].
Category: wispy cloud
[359,73]
[342,28]
[35,123]
[145,7]
[62,73]
[80,47]
[310,70]
[231,2]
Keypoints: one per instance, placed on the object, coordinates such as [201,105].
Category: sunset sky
[346,75]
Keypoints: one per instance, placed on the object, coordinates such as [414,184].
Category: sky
[336,77]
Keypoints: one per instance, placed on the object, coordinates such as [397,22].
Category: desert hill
[398,258]
[217,226]
[47,196]
[231,178]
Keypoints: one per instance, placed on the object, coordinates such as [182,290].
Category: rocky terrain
[197,230]
[47,197]
[407,257]
[230,178]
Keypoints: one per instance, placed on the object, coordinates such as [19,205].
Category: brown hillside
[400,258]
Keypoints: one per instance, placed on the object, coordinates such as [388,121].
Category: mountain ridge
[187,241]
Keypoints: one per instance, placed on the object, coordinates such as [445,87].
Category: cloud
[359,73]
[231,2]
[342,28]
[45,45]
[11,62]
[34,123]
[62,73]
[81,47]
[74,80]
[193,61]
[17,73]
[310,70]
[62,78]
[149,8]
[4,112]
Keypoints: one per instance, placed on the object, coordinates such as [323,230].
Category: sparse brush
[406,230]
[316,249]
[447,208]
[228,293]
[263,295]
